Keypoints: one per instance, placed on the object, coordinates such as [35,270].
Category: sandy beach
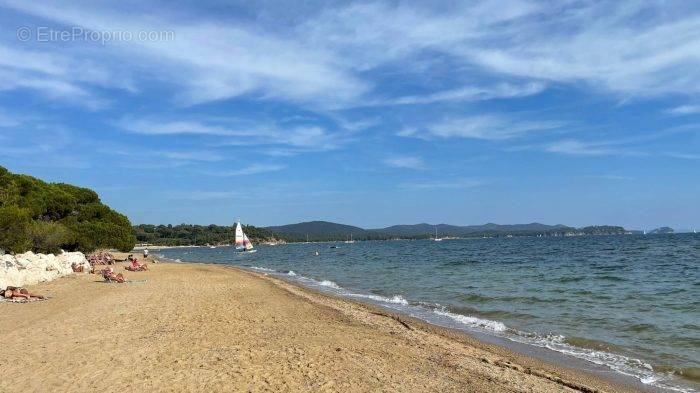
[200,327]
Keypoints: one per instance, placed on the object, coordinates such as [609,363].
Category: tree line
[198,235]
[47,217]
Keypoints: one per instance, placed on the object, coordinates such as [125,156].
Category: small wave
[584,349]
[262,269]
[641,327]
[610,278]
[396,299]
[473,321]
[291,273]
[570,279]
[459,263]
[327,283]
[476,298]
[690,373]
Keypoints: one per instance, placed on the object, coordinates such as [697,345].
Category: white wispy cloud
[208,60]
[469,93]
[576,147]
[253,169]
[684,110]
[160,157]
[293,140]
[683,156]
[178,127]
[408,162]
[489,127]
[323,59]
[357,124]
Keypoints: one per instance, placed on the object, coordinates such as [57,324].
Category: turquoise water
[630,303]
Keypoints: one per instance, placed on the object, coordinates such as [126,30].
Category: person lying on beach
[111,276]
[137,266]
[16,293]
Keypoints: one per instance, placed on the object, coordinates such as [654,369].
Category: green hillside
[324,230]
[46,217]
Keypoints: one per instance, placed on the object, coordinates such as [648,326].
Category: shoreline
[449,360]
[604,363]
[561,374]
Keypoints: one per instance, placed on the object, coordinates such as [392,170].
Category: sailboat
[243,244]
[350,241]
[437,239]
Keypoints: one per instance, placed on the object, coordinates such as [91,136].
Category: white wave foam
[473,321]
[291,273]
[396,299]
[262,269]
[628,366]
[327,283]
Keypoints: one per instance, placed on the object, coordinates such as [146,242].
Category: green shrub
[47,237]
[14,229]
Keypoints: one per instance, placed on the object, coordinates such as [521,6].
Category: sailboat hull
[242,249]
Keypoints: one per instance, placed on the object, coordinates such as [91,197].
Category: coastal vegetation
[197,235]
[47,217]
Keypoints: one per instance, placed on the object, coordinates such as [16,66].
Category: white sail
[239,235]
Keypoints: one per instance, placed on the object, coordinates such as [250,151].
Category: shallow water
[630,303]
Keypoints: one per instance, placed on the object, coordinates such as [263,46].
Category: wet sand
[200,327]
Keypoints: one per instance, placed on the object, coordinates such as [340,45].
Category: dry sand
[198,327]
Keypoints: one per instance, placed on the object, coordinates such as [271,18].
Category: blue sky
[367,113]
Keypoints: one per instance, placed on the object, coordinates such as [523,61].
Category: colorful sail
[242,241]
[246,243]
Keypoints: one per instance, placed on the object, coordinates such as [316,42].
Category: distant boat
[243,244]
[437,239]
[212,246]
[350,241]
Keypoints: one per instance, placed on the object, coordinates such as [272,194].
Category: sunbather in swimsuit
[16,293]
[110,275]
[136,266]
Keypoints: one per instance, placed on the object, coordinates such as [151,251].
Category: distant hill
[421,230]
[324,230]
[319,230]
[662,230]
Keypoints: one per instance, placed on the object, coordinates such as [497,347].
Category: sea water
[630,303]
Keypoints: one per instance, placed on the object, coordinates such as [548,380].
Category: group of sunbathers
[134,266]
